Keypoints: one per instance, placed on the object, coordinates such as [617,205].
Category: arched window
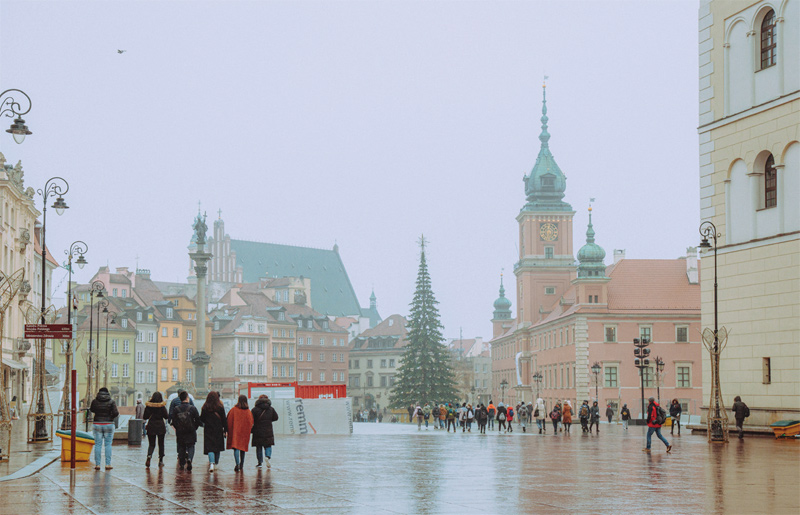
[770,183]
[768,40]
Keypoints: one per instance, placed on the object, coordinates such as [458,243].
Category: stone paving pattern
[393,468]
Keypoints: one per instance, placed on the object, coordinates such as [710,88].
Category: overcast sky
[362,123]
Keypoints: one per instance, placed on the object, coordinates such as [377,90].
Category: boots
[161,461]
[147,463]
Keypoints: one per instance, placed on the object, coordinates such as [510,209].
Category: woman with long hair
[675,413]
[215,427]
[240,424]
[566,415]
[155,413]
[263,437]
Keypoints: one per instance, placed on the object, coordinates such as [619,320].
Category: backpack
[182,421]
[510,413]
[584,411]
[746,411]
[470,414]
[661,416]
[554,415]
[502,417]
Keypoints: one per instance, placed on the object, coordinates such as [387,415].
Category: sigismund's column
[201,357]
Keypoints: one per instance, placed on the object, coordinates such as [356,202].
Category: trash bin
[83,445]
[135,429]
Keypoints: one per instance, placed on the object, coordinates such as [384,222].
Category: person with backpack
[215,428]
[539,413]
[609,412]
[656,416]
[522,415]
[185,420]
[175,403]
[451,418]
[470,417]
[530,413]
[483,418]
[492,412]
[155,413]
[509,419]
[566,416]
[583,413]
[442,416]
[625,414]
[426,413]
[555,416]
[675,414]
[419,416]
[105,411]
[594,417]
[240,425]
[740,412]
[263,436]
[435,414]
[501,417]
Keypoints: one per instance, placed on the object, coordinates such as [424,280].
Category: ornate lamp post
[537,378]
[641,354]
[596,368]
[80,249]
[714,343]
[96,288]
[11,108]
[659,373]
[54,186]
[503,386]
[102,303]
[110,319]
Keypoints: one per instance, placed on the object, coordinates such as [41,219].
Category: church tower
[546,264]
[501,319]
[590,285]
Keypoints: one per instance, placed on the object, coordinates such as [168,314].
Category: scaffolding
[717,418]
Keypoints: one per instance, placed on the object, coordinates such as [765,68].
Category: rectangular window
[125,370]
[189,374]
[283,351]
[164,331]
[611,377]
[274,370]
[169,312]
[114,292]
[124,293]
[369,381]
[261,369]
[383,381]
[188,354]
[139,319]
[260,346]
[682,334]
[250,346]
[369,363]
[164,352]
[309,341]
[151,357]
[684,376]
[163,374]
[355,381]
[645,332]
[126,346]
[611,334]
[291,352]
[308,356]
[240,369]
[114,346]
[322,341]
[274,351]
[299,356]
[322,356]
[391,362]
[189,334]
[114,370]
[341,357]
[291,370]
[283,370]
[391,380]
[334,357]
[383,363]
[648,377]
[139,336]
[151,376]
[140,357]
[241,345]
[548,252]
[766,369]
[550,290]
[283,333]
[174,332]
[151,336]
[322,377]
[275,333]
[175,352]
[174,374]
[250,369]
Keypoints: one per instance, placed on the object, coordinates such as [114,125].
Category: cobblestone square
[394,468]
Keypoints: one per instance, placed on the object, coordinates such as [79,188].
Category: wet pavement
[393,468]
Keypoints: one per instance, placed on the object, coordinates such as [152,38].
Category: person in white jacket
[540,413]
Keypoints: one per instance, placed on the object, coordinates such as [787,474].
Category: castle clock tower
[546,264]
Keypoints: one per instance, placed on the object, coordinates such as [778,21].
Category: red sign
[48,331]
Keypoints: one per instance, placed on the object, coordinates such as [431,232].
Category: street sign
[48,331]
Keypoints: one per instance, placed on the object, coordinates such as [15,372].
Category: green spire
[591,255]
[502,306]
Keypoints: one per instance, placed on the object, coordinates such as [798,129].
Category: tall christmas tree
[425,374]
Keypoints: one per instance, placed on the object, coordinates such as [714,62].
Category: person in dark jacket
[263,437]
[740,412]
[609,413]
[625,414]
[155,412]
[501,420]
[653,426]
[594,417]
[185,420]
[105,411]
[675,413]
[584,412]
[215,428]
[177,402]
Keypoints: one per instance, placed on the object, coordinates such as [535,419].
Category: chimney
[619,255]
[691,265]
[122,270]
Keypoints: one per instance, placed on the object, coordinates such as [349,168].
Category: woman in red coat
[240,424]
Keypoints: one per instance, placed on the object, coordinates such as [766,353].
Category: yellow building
[750,190]
[177,343]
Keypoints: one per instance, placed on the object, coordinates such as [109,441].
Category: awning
[10,363]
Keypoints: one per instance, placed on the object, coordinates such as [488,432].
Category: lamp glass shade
[59,205]
[81,262]
[19,138]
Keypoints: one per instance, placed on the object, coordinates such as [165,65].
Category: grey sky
[366,123]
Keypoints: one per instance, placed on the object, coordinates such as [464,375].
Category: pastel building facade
[749,147]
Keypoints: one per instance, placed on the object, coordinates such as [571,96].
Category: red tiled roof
[653,285]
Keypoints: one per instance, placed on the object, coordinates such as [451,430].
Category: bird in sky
[121,51]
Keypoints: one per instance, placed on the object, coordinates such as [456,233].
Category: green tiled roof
[331,291]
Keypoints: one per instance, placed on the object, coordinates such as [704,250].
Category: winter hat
[104,390]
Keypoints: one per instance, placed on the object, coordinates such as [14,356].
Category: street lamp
[718,423]
[110,319]
[503,386]
[641,354]
[102,303]
[54,186]
[596,371]
[11,108]
[96,288]
[537,378]
[79,248]
[659,371]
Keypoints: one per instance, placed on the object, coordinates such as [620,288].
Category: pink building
[572,315]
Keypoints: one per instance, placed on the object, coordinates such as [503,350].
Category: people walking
[594,417]
[555,416]
[435,414]
[105,411]
[418,415]
[609,412]
[215,428]
[139,412]
[584,413]
[185,420]
[470,417]
[509,419]
[263,436]
[740,412]
[625,415]
[492,412]
[675,414]
[155,413]
[522,415]
[483,418]
[530,413]
[442,416]
[539,413]
[175,403]
[655,418]
[240,425]
[426,413]
[451,418]
[566,416]
[501,417]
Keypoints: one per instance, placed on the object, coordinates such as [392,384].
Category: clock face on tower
[548,232]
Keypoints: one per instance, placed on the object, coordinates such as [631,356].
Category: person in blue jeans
[653,426]
[105,411]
